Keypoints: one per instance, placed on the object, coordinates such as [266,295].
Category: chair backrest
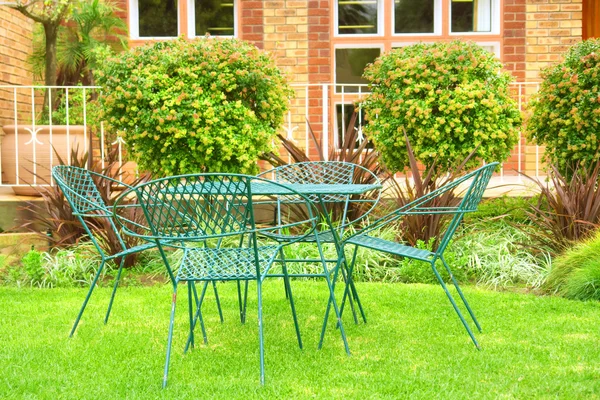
[347,209]
[80,190]
[198,207]
[85,200]
[479,180]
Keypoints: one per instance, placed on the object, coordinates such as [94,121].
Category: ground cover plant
[412,347]
[575,274]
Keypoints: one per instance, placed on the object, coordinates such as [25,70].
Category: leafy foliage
[568,208]
[451,98]
[93,27]
[195,105]
[566,110]
[576,273]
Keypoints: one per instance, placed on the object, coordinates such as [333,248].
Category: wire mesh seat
[339,211]
[477,182]
[211,218]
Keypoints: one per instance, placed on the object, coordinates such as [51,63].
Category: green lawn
[412,347]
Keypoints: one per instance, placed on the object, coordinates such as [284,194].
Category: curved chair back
[345,209]
[205,206]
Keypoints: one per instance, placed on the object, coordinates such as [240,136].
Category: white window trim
[494,45]
[495,9]
[134,23]
[380,23]
[437,22]
[192,24]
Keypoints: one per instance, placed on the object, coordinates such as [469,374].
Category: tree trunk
[51,32]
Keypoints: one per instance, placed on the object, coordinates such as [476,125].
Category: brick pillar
[16,33]
[251,21]
[551,28]
[514,37]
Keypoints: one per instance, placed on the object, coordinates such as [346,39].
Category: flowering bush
[566,111]
[195,106]
[451,98]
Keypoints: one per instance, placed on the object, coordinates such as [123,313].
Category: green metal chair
[477,182]
[338,210]
[89,206]
[211,217]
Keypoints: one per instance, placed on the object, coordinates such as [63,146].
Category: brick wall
[15,46]
[552,27]
[514,37]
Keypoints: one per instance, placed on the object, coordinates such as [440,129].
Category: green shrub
[566,110]
[195,106]
[451,98]
[576,273]
[32,263]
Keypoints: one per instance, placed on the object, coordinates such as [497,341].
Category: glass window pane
[357,16]
[413,16]
[471,15]
[214,17]
[350,64]
[157,18]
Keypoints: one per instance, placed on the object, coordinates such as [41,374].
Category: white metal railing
[319,107]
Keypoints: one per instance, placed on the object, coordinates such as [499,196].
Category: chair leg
[114,291]
[460,293]
[87,298]
[197,317]
[288,292]
[462,319]
[170,338]
[245,302]
[261,343]
[218,301]
[350,288]
[335,308]
[191,315]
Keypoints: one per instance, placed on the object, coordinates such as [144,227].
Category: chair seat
[391,247]
[201,263]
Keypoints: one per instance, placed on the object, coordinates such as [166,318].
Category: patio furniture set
[242,228]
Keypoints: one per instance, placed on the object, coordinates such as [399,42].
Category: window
[357,17]
[163,18]
[414,16]
[349,66]
[154,18]
[471,16]
[215,17]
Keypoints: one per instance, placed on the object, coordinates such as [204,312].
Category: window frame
[370,45]
[495,21]
[185,13]
[437,21]
[134,23]
[191,23]
[380,23]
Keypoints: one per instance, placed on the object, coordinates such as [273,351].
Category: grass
[413,346]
